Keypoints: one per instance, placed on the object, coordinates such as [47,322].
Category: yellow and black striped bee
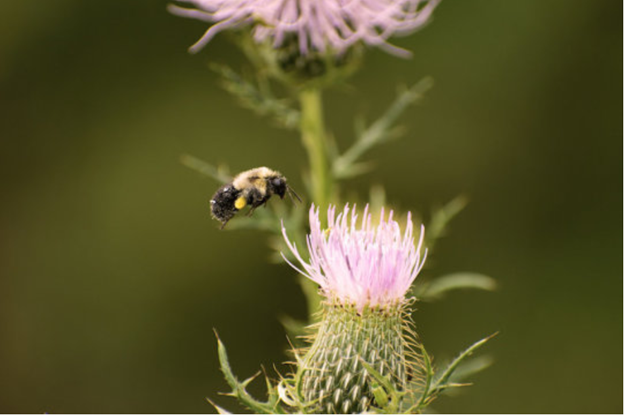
[252,187]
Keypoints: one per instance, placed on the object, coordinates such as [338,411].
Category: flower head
[365,265]
[318,25]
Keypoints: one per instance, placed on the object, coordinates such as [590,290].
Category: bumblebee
[252,187]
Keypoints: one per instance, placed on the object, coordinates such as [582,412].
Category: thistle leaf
[219,409]
[443,380]
[428,379]
[382,130]
[381,397]
[219,174]
[381,379]
[440,286]
[238,388]
[471,366]
[257,98]
[357,169]
[386,395]
[440,219]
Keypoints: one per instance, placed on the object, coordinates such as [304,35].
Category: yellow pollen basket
[240,203]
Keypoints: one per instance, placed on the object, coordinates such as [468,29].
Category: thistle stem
[314,140]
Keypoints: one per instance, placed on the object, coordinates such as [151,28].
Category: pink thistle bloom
[319,25]
[366,265]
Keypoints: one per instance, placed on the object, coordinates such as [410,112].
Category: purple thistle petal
[318,24]
[368,265]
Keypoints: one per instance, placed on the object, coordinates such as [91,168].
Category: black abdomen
[222,203]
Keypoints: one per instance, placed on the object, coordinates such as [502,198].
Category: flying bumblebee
[252,187]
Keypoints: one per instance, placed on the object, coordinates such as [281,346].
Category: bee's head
[278,186]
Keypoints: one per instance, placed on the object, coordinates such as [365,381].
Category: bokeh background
[112,274]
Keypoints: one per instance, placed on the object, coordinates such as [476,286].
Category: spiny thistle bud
[364,273]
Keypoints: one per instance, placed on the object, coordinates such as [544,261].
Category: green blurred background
[113,274]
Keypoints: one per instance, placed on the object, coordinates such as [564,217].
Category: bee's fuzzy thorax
[254,179]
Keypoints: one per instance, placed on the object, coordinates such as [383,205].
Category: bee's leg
[256,205]
[255,200]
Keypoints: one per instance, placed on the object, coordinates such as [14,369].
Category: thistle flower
[364,272]
[318,25]
[369,265]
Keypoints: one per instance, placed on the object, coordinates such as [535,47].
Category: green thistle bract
[334,376]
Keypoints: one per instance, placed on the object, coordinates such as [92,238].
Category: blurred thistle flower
[366,265]
[364,272]
[318,25]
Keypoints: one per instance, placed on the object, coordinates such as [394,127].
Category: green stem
[314,140]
